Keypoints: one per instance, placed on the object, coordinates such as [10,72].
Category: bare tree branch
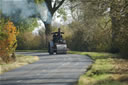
[49,5]
[54,5]
[54,9]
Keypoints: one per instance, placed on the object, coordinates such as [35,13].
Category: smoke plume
[22,9]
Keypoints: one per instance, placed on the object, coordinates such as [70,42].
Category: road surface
[49,70]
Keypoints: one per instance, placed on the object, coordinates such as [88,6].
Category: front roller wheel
[50,49]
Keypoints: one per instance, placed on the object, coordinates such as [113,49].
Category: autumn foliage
[8,43]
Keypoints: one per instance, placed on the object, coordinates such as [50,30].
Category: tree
[119,19]
[115,29]
[52,9]
[53,6]
[92,17]
[32,8]
[118,14]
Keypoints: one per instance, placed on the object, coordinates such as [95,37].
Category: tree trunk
[115,28]
[48,30]
[13,56]
[52,7]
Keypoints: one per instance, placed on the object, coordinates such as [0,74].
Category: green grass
[95,55]
[20,61]
[107,69]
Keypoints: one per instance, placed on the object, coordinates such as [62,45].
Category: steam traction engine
[57,44]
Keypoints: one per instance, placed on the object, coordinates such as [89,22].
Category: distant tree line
[100,25]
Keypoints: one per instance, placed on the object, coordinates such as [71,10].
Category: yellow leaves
[8,44]
[10,28]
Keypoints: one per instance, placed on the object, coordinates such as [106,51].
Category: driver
[59,36]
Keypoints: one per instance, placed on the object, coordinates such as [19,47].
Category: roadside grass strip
[107,69]
[21,60]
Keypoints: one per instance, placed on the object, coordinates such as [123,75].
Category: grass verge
[20,61]
[107,69]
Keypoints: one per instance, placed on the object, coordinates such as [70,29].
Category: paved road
[49,70]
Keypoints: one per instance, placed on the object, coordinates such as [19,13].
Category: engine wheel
[50,49]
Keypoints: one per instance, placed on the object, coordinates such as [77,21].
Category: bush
[28,41]
[8,42]
[90,37]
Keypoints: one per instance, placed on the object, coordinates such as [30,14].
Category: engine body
[57,44]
